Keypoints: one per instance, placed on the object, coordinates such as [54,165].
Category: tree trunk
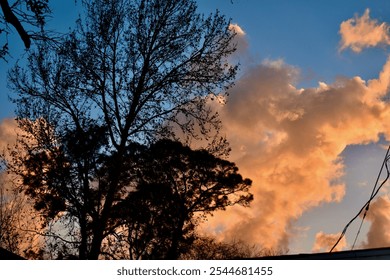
[99,225]
[177,236]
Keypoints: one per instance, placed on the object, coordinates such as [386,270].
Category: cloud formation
[239,41]
[379,217]
[325,242]
[8,133]
[288,140]
[363,32]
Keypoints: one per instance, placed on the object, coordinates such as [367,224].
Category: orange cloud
[236,28]
[362,32]
[289,140]
[8,128]
[325,242]
[240,42]
[379,217]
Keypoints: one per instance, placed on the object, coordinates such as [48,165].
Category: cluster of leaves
[177,187]
[167,188]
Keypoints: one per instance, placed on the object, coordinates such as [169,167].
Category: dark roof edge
[373,253]
[7,255]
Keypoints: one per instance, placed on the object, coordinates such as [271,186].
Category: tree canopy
[94,108]
[176,188]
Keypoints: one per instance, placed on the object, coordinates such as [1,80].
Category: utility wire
[372,196]
[366,206]
[360,228]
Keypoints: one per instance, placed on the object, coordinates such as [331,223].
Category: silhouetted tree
[130,71]
[208,248]
[9,214]
[17,222]
[61,178]
[176,187]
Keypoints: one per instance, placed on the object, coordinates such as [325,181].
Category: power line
[360,228]
[366,206]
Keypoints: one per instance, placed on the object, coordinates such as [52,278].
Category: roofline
[7,255]
[372,253]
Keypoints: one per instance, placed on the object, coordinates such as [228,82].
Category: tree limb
[10,17]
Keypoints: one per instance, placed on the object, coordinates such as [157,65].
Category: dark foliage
[176,188]
[208,248]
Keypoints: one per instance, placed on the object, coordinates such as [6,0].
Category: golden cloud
[362,32]
[289,140]
[379,217]
[325,242]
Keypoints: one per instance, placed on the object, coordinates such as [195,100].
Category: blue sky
[303,36]
[305,33]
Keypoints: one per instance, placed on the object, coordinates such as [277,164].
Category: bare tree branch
[11,18]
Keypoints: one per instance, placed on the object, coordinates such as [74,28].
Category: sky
[308,119]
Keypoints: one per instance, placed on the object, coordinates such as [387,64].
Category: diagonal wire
[366,206]
[372,196]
